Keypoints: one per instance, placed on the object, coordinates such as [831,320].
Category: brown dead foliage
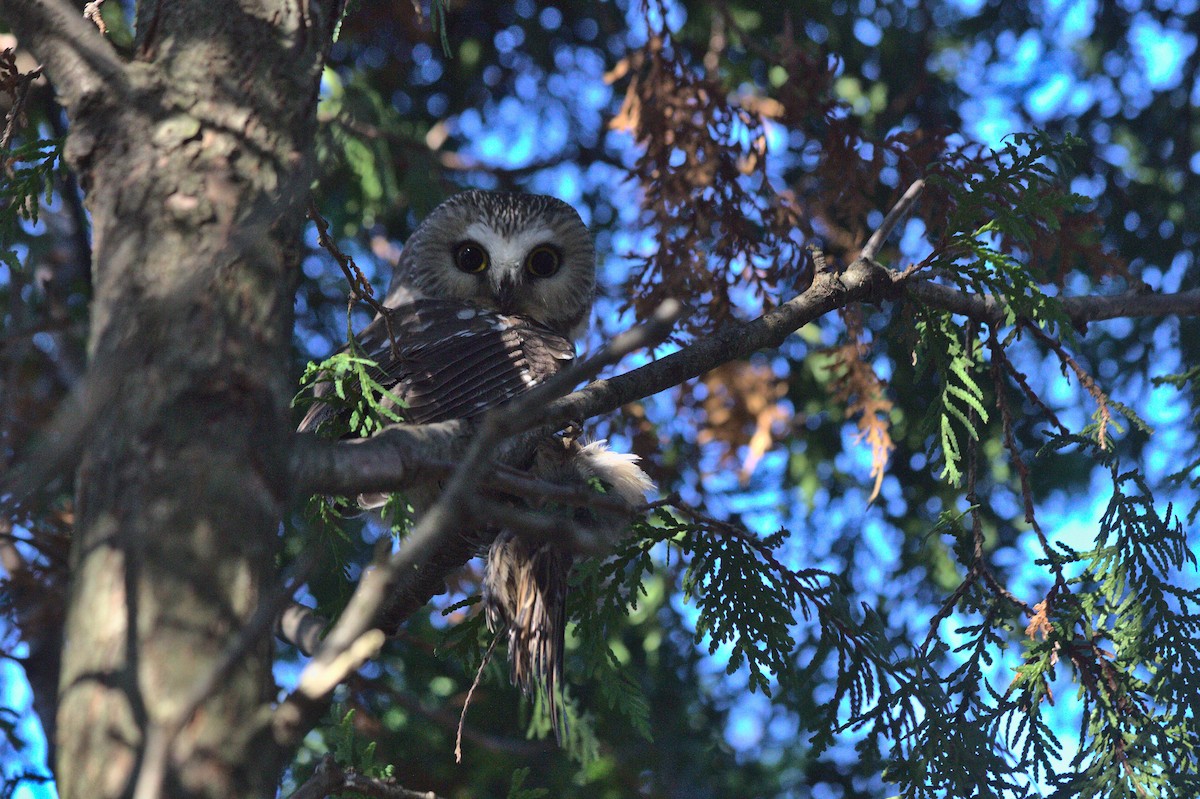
[706,194]
[864,396]
[722,221]
[742,408]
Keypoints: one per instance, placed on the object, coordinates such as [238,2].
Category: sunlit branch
[862,281]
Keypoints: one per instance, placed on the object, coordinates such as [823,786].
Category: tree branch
[78,60]
[898,212]
[388,461]
[353,639]
[330,779]
[862,281]
[1081,310]
[393,459]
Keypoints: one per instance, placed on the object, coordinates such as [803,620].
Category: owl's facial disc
[514,260]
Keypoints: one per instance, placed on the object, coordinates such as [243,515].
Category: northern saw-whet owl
[488,295]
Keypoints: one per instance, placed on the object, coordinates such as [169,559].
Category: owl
[486,300]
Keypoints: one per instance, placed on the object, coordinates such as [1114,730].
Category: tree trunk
[196,160]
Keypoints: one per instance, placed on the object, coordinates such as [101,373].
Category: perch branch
[354,633]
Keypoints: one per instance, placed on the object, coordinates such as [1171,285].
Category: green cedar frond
[29,177]
[959,410]
[516,791]
[1189,473]
[999,209]
[602,592]
[747,600]
[355,391]
[1131,637]
[349,751]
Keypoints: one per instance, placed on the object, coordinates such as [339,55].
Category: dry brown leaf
[1039,625]
[742,409]
[856,384]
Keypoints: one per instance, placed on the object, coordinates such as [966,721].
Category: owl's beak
[506,289]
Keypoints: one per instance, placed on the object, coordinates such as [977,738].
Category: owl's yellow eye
[543,261]
[471,257]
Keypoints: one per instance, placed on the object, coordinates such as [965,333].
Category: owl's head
[524,254]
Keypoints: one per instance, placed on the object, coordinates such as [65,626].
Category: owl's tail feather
[525,584]
[525,594]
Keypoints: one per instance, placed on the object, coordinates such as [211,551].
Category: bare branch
[862,281]
[330,779]
[360,287]
[389,461]
[79,61]
[400,574]
[898,212]
[300,626]
[990,308]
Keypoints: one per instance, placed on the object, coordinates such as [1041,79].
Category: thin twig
[360,287]
[20,94]
[462,719]
[1086,380]
[1001,357]
[898,212]
[1019,464]
[79,61]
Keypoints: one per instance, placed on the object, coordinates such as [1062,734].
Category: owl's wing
[452,360]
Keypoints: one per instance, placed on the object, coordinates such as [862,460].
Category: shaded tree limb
[990,308]
[354,637]
[79,61]
[330,779]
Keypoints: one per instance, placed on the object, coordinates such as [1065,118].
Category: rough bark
[195,159]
